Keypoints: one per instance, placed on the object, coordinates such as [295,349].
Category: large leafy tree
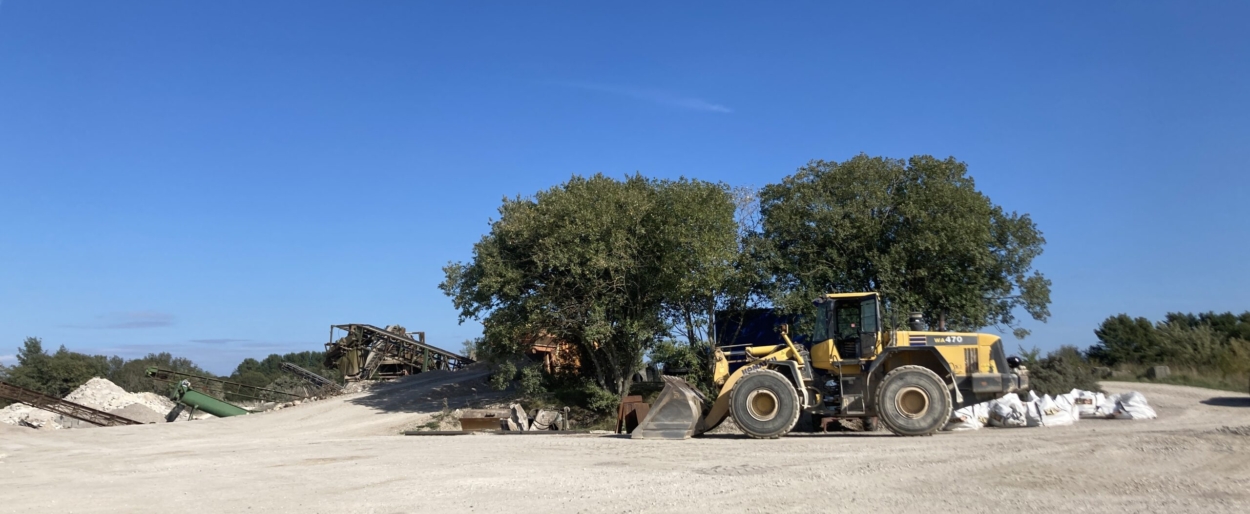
[612,266]
[1124,339]
[57,374]
[917,230]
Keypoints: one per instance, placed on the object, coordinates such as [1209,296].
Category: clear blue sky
[227,179]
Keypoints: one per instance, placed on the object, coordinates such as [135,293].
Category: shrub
[502,376]
[532,381]
[1060,371]
[588,395]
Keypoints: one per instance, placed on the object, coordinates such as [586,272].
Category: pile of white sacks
[1065,409]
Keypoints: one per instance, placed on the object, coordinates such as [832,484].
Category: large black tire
[912,401]
[764,404]
[174,413]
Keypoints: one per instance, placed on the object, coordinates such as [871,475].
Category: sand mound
[140,413]
[97,393]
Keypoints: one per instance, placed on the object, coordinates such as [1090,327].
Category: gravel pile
[139,412]
[97,393]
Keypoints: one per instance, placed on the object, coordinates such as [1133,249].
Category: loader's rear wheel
[764,404]
[913,400]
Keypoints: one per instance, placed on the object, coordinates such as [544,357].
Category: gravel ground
[343,455]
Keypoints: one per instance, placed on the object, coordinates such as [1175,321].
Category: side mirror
[785,328]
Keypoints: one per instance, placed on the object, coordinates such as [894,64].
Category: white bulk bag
[1067,403]
[1106,408]
[972,417]
[1086,402]
[1133,406]
[1053,414]
[1007,412]
[1032,414]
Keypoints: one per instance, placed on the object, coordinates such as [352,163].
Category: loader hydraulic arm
[794,350]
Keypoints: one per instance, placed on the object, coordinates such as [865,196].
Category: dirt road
[342,455]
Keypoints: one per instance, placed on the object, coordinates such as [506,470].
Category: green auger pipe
[187,397]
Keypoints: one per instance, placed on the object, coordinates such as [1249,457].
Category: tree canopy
[57,374]
[1209,340]
[917,231]
[608,265]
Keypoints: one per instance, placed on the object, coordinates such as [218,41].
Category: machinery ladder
[63,407]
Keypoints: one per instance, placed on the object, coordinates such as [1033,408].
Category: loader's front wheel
[913,400]
[764,404]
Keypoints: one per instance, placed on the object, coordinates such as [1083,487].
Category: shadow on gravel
[431,392]
[1228,401]
[803,435]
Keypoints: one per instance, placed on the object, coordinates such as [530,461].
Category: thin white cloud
[223,340]
[656,96]
[5,360]
[129,320]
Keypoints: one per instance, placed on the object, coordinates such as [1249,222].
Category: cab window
[868,315]
[848,319]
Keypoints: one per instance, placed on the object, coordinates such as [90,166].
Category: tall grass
[1188,376]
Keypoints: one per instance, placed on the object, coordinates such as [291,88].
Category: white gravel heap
[97,393]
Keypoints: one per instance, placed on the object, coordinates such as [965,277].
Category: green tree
[1207,341]
[1124,339]
[131,374]
[470,348]
[31,355]
[917,231]
[610,266]
[57,374]
[268,372]
[694,360]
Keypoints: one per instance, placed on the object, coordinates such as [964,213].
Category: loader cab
[850,322]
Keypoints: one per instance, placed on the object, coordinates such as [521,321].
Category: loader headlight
[1014,362]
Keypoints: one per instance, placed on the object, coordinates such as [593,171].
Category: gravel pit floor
[343,455]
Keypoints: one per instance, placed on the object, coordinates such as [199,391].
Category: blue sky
[227,179]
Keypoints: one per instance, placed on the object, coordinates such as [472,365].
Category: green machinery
[185,397]
[219,386]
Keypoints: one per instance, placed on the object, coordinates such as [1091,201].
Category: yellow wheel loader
[909,380]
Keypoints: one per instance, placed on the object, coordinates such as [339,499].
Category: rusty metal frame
[409,350]
[63,407]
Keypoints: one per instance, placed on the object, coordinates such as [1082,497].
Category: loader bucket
[677,413]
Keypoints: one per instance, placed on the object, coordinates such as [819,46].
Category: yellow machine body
[841,373]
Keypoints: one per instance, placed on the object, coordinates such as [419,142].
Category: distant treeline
[269,373]
[1208,350]
[1208,340]
[60,372]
